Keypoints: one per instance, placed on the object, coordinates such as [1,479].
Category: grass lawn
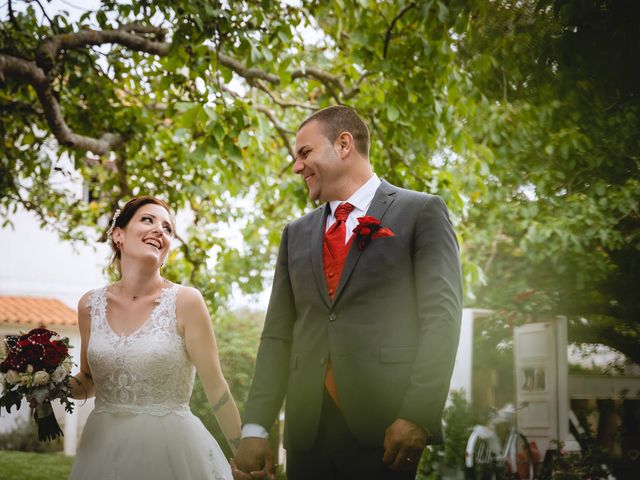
[34,466]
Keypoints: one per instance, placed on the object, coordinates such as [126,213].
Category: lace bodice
[147,371]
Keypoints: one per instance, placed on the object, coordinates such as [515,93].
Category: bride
[142,338]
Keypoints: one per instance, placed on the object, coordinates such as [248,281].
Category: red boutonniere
[369,228]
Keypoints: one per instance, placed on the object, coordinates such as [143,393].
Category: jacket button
[332,317]
[323,360]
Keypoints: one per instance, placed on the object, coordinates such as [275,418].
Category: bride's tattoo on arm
[235,442]
[224,399]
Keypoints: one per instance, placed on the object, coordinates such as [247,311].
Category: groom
[362,329]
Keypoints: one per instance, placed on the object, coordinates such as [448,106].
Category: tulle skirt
[148,447]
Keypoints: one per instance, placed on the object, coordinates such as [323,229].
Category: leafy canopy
[523,115]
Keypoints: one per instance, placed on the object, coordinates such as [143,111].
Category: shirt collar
[362,198]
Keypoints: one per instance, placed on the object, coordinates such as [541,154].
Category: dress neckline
[159,301]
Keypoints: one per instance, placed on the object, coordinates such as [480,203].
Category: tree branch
[278,101]
[387,37]
[48,50]
[138,28]
[189,257]
[393,157]
[27,72]
[129,35]
[121,168]
[44,14]
[12,17]
[248,73]
[326,78]
[283,132]
[45,218]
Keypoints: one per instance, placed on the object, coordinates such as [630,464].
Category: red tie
[335,252]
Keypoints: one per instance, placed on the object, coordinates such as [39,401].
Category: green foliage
[590,463]
[560,212]
[459,419]
[237,336]
[524,116]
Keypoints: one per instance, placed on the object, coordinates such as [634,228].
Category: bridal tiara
[113,222]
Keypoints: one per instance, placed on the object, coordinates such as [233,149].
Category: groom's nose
[298,166]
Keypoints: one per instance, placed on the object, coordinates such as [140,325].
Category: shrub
[24,437]
[459,419]
[237,335]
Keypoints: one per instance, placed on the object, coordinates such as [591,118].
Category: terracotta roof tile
[36,311]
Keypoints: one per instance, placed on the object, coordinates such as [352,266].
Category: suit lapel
[317,236]
[382,200]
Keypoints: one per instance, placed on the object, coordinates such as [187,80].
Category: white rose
[29,368]
[55,338]
[12,377]
[59,374]
[67,364]
[25,379]
[41,378]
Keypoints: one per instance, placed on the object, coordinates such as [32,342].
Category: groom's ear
[345,144]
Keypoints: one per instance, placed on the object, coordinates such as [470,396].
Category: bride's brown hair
[122,218]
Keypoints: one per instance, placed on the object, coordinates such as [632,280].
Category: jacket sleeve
[272,364]
[438,283]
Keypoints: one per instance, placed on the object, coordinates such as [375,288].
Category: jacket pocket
[398,354]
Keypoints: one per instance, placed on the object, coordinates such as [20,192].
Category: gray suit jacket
[391,331]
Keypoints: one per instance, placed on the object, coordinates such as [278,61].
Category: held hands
[404,442]
[253,460]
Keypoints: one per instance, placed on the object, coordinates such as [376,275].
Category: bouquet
[37,366]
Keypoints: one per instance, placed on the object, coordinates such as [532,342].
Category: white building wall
[35,262]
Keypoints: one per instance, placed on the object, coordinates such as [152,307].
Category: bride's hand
[237,473]
[255,458]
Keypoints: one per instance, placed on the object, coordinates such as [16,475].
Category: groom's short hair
[339,118]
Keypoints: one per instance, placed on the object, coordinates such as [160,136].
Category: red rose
[14,362]
[61,347]
[368,221]
[53,356]
[41,331]
[9,363]
[369,228]
[39,339]
[32,354]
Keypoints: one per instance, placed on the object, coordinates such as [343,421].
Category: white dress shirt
[361,200]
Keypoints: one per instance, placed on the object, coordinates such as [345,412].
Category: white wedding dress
[142,427]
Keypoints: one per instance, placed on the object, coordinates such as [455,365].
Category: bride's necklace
[135,297]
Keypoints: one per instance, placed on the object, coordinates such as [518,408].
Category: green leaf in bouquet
[10,399]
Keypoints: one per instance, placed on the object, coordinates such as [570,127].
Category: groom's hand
[237,473]
[404,442]
[255,458]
